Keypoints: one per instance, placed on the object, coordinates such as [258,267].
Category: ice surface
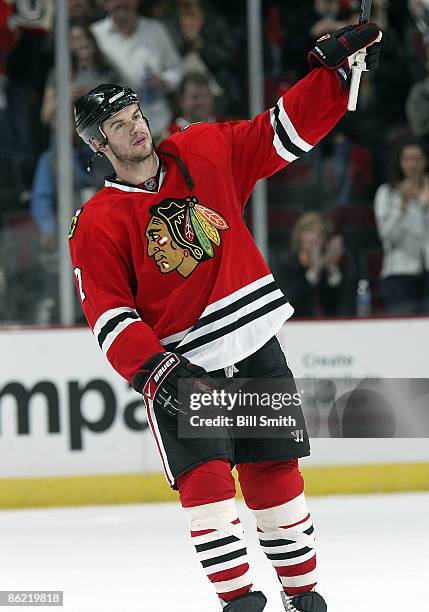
[373,556]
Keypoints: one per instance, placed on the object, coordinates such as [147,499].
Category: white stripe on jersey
[234,316]
[110,314]
[176,337]
[290,157]
[211,348]
[115,333]
[291,132]
[233,297]
[290,129]
[240,343]
[226,301]
[102,325]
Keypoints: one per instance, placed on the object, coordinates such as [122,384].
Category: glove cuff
[157,367]
[343,70]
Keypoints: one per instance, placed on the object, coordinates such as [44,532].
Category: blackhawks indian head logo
[183,233]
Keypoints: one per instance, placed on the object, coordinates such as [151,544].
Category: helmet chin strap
[97,153]
[91,160]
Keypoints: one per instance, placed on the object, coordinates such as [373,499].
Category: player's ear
[96,144]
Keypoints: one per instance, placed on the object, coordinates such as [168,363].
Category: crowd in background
[348,222]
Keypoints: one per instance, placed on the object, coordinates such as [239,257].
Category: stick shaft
[365,11]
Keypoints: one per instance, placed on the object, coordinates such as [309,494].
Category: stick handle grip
[354,88]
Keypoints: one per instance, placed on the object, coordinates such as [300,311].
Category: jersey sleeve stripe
[284,137]
[110,314]
[115,333]
[278,145]
[290,129]
[111,323]
[287,142]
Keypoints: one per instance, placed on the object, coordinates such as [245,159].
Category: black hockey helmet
[98,105]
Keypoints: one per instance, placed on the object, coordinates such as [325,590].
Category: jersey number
[78,274]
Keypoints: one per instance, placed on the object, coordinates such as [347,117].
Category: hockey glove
[339,50]
[158,382]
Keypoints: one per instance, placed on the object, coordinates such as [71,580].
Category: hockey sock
[274,491]
[207,495]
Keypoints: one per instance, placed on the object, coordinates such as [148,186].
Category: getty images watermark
[244,408]
[323,408]
[235,402]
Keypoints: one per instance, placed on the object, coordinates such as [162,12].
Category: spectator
[196,102]
[402,216]
[380,114]
[303,22]
[312,273]
[157,8]
[417,107]
[89,69]
[416,38]
[27,66]
[43,196]
[44,212]
[144,55]
[329,17]
[83,11]
[206,45]
[7,40]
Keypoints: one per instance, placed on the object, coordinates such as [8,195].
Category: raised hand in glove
[158,382]
[339,50]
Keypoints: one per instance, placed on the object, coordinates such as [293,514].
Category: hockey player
[173,286]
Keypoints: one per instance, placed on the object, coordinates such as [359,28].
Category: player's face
[128,135]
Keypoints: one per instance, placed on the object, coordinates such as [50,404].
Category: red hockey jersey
[176,268]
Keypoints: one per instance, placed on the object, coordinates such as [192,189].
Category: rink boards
[73,432]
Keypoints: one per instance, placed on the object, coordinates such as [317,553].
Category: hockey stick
[358,66]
